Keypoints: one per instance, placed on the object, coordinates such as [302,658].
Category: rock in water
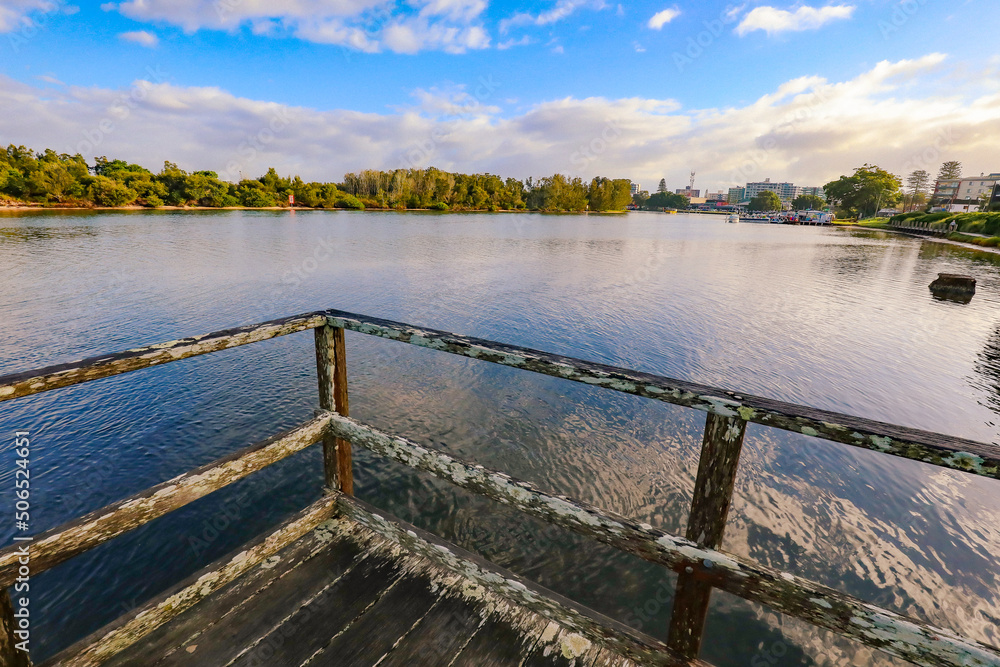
[954,287]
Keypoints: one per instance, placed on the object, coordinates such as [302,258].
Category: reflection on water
[832,318]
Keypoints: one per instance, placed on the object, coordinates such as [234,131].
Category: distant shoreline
[935,239]
[39,207]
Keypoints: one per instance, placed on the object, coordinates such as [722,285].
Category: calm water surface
[831,318]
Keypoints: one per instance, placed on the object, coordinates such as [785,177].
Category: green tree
[662,187]
[252,194]
[765,201]
[917,183]
[662,200]
[808,202]
[105,191]
[950,169]
[640,198]
[864,192]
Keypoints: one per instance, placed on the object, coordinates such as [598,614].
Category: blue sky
[638,90]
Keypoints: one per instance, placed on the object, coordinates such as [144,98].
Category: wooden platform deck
[345,595]
[342,583]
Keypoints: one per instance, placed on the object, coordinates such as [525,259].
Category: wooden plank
[295,638]
[373,635]
[713,494]
[558,647]
[135,625]
[440,635]
[597,628]
[70,539]
[240,598]
[94,368]
[10,654]
[223,641]
[943,450]
[331,371]
[907,638]
[501,642]
[608,659]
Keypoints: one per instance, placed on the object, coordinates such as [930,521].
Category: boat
[732,217]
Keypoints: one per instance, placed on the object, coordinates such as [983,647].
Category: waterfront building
[807,190]
[783,190]
[964,195]
[945,189]
[688,192]
[736,195]
[636,188]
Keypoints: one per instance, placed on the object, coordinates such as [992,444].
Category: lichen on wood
[58,544]
[910,639]
[943,450]
[587,624]
[95,368]
[132,627]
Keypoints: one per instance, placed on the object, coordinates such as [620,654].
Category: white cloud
[561,10]
[367,25]
[773,21]
[807,130]
[48,78]
[660,19]
[14,13]
[141,37]
[523,41]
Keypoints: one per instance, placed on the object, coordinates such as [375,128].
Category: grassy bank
[874,223]
[970,223]
[986,242]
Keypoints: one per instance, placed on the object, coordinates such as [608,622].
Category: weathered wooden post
[331,370]
[713,494]
[10,656]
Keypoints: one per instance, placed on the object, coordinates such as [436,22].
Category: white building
[636,188]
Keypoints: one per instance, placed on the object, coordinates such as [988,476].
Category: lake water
[832,318]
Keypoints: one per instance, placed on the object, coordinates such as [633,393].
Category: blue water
[826,317]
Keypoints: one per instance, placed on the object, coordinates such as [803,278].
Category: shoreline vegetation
[48,180]
[979,229]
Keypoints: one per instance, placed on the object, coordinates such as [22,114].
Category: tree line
[870,189]
[60,179]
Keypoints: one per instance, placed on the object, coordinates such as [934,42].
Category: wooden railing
[922,227]
[696,557]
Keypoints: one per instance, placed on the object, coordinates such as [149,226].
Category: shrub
[105,192]
[439,206]
[349,201]
[254,198]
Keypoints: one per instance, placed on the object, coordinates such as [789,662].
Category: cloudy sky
[762,89]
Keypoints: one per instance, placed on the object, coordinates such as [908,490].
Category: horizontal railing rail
[61,543]
[935,448]
[926,446]
[697,558]
[819,605]
[95,368]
